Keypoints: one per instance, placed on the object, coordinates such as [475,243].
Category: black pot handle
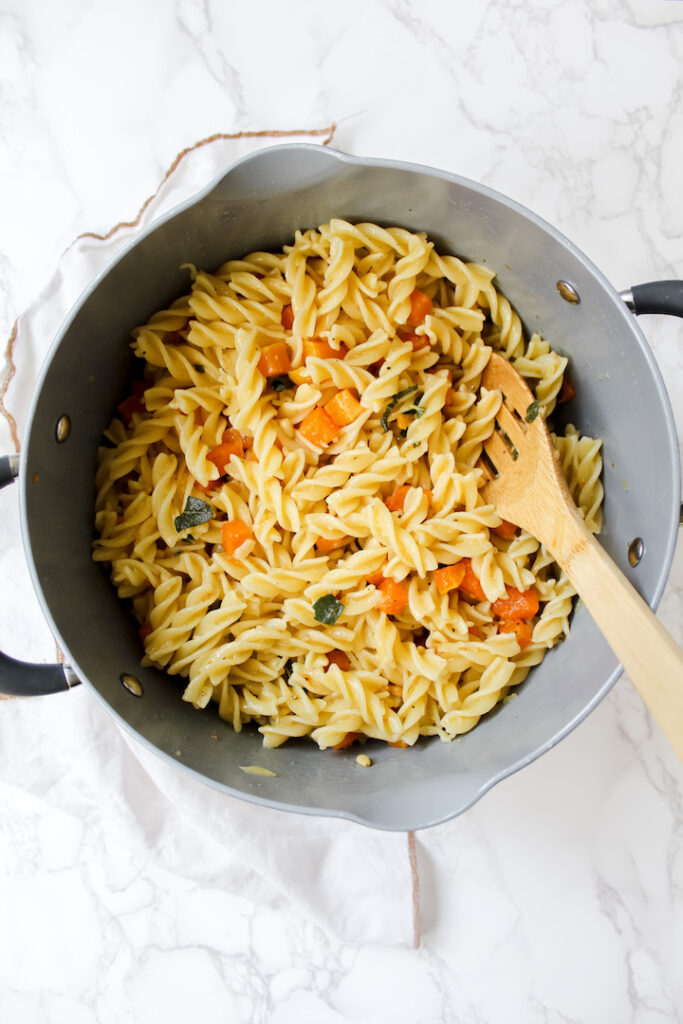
[9,467]
[21,678]
[655,297]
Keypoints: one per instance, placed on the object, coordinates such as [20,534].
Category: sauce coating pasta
[290,497]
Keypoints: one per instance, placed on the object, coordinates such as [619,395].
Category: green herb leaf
[393,403]
[198,367]
[533,411]
[282,383]
[514,453]
[327,609]
[195,512]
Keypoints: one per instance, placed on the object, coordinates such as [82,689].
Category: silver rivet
[568,292]
[635,551]
[63,429]
[131,684]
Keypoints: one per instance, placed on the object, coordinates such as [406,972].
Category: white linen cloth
[353,882]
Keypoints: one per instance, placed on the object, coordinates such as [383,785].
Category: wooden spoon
[530,490]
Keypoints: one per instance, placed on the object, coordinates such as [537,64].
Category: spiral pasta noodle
[290,498]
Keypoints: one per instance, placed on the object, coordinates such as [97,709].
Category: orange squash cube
[470,586]
[324,545]
[376,577]
[517,604]
[319,428]
[418,341]
[506,530]
[233,535]
[274,360]
[521,629]
[344,408]
[339,658]
[394,597]
[232,444]
[449,578]
[322,349]
[420,306]
[348,741]
[397,500]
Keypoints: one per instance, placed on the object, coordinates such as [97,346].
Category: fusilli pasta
[351,583]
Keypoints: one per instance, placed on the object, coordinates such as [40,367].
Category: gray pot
[258,204]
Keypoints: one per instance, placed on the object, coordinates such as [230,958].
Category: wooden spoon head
[525,483]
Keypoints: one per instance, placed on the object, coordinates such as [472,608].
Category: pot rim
[630,325]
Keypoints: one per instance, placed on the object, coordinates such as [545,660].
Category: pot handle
[655,297]
[21,678]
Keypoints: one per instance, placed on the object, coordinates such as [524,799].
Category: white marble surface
[130,894]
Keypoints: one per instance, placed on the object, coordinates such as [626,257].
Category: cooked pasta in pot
[290,496]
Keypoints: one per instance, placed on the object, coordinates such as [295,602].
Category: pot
[258,204]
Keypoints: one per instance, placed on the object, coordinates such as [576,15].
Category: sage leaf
[282,383]
[195,512]
[327,609]
[393,403]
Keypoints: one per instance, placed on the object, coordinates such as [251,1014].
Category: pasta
[290,498]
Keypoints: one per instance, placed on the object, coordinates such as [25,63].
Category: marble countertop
[131,894]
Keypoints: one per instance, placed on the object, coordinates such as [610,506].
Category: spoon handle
[644,647]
